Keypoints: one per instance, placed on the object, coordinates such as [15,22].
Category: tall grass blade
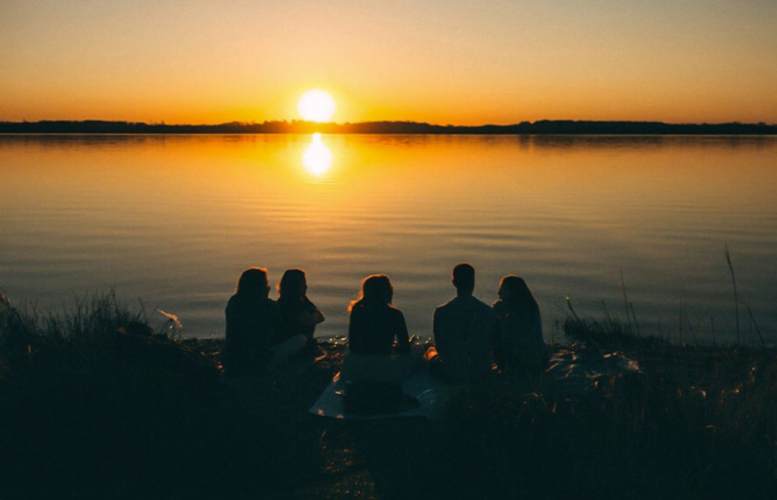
[736,295]
[757,329]
[625,299]
[634,315]
[569,305]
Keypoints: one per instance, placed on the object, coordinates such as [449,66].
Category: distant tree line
[389,127]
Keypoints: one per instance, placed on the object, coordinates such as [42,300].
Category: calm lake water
[173,220]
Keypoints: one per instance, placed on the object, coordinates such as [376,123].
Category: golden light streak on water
[317,157]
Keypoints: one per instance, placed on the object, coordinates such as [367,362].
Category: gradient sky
[439,61]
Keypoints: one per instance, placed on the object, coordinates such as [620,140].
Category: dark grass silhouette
[95,404]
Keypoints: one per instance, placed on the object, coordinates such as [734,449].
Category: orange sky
[453,61]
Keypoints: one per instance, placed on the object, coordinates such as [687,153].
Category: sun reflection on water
[317,158]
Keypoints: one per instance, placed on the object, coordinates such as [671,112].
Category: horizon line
[367,122]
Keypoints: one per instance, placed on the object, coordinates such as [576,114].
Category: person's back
[299,316]
[372,373]
[373,327]
[520,343]
[463,335]
[464,330]
[252,321]
[291,311]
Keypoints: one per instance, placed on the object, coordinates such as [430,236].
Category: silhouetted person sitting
[253,339]
[464,330]
[520,346]
[375,322]
[372,372]
[299,316]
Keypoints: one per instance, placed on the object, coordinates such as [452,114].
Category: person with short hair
[464,329]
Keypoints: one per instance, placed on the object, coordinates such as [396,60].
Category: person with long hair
[520,346]
[299,316]
[374,369]
[375,322]
[253,339]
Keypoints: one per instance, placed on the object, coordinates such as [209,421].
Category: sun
[316,106]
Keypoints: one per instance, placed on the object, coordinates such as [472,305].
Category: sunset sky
[439,61]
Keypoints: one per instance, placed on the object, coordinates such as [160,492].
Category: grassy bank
[97,404]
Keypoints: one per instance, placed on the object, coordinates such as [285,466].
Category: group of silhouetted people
[262,333]
[469,335]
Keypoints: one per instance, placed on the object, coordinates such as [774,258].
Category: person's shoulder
[479,303]
[442,307]
[468,303]
[441,312]
[236,301]
[484,308]
[393,311]
[358,310]
[308,304]
[230,304]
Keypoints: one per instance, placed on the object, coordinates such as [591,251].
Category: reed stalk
[625,299]
[736,295]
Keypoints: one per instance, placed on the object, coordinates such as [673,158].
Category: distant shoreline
[542,127]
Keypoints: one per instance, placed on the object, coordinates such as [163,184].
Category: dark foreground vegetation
[389,127]
[96,404]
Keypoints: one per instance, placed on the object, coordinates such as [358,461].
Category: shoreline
[96,404]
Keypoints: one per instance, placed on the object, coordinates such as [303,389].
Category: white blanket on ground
[432,396]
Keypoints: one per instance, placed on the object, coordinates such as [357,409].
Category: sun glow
[316,106]
[317,157]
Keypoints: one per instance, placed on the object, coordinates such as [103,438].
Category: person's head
[464,278]
[293,284]
[253,281]
[513,288]
[376,290]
